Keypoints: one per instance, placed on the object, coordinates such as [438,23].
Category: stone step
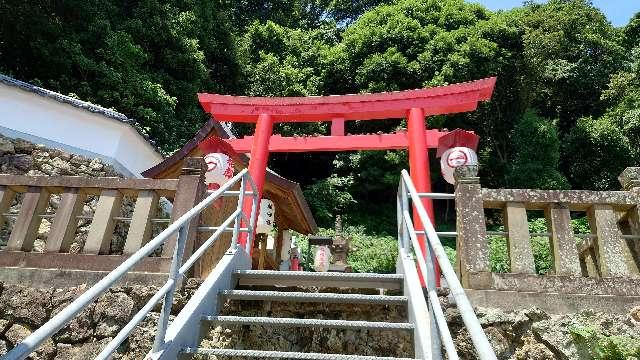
[320,323]
[262,354]
[332,298]
[319,279]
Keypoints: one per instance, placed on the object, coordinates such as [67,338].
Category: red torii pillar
[258,165]
[420,174]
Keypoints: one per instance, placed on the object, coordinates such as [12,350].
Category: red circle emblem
[457,158]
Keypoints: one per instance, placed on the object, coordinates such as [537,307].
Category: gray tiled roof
[109,113]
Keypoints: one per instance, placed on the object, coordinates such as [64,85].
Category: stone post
[191,190]
[471,244]
[614,257]
[630,181]
[566,260]
[517,226]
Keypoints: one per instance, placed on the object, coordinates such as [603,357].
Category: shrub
[604,347]
[540,246]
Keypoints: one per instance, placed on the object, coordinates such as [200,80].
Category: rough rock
[96,164]
[112,311]
[4,326]
[81,327]
[534,334]
[3,347]
[49,170]
[84,351]
[15,297]
[533,350]
[22,162]
[17,333]
[23,146]
[35,173]
[635,315]
[6,146]
[64,168]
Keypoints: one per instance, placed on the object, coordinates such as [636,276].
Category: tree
[537,155]
[329,197]
[571,49]
[145,59]
[595,153]
[632,32]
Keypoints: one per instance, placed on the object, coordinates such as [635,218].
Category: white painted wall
[59,125]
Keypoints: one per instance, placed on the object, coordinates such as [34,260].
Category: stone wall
[21,157]
[533,334]
[23,309]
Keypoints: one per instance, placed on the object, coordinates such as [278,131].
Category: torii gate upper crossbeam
[448,99]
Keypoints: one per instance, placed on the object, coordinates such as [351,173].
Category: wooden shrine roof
[292,209]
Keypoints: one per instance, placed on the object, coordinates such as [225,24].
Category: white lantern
[322,258]
[219,170]
[266,218]
[454,157]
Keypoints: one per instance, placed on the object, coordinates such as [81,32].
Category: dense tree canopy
[565,112]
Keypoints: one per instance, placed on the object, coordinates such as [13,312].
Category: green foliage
[540,246]
[595,152]
[329,197]
[372,254]
[604,347]
[498,253]
[632,32]
[537,156]
[145,59]
[572,49]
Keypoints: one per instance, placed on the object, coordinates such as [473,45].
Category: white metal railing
[177,270]
[408,243]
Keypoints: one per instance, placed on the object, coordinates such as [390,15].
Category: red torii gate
[412,104]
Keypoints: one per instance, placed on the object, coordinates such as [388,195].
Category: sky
[618,11]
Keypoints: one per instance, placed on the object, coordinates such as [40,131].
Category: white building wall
[55,124]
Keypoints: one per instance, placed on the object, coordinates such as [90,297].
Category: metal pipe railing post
[163,321]
[400,219]
[436,344]
[435,309]
[478,337]
[252,220]
[236,226]
[405,206]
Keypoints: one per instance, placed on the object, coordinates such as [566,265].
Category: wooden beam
[6,199]
[24,231]
[65,223]
[279,143]
[140,228]
[337,127]
[101,230]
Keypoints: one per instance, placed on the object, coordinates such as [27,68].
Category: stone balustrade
[605,261]
[26,201]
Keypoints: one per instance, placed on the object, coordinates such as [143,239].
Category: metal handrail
[438,196]
[181,225]
[478,337]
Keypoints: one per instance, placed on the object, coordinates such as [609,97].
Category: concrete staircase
[301,315]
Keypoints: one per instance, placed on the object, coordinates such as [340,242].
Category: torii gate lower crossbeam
[414,105]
